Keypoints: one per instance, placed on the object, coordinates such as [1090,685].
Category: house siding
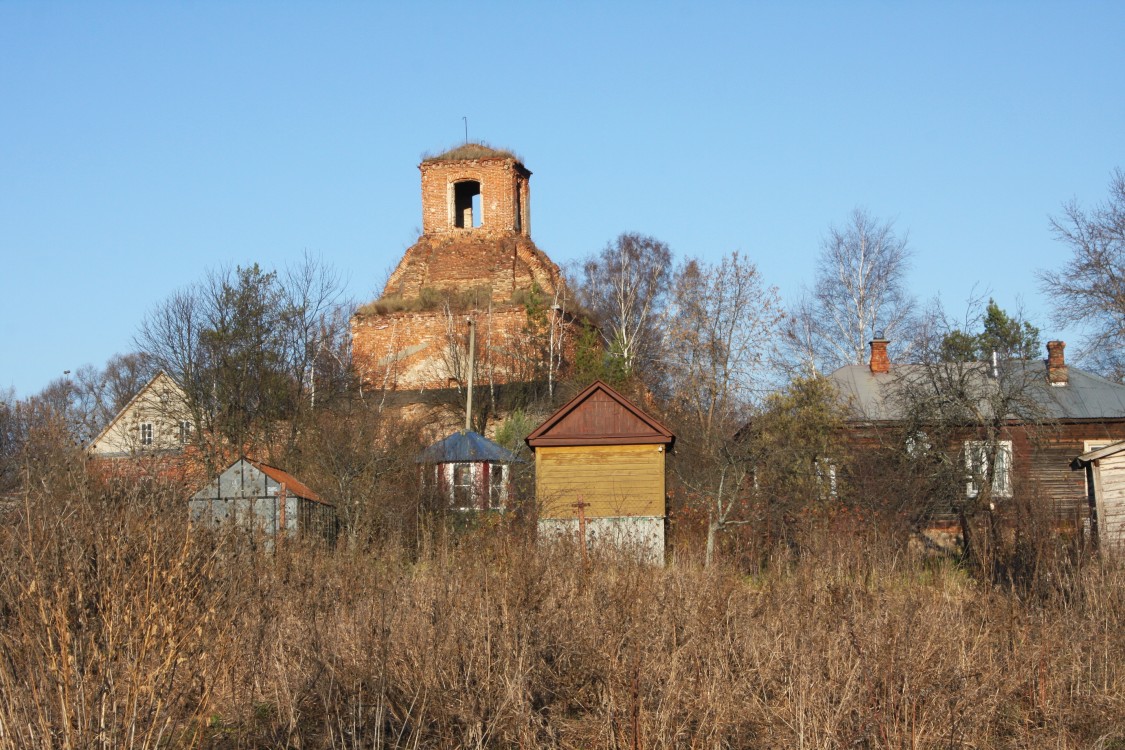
[614,480]
[1041,459]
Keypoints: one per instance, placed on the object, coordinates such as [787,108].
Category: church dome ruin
[475,258]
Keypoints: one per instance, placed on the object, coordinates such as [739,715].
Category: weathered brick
[413,336]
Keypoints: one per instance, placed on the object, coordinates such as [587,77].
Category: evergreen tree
[1007,335]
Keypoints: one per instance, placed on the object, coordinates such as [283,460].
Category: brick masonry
[411,339]
[505,197]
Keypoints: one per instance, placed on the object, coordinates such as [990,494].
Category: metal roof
[292,484]
[465,446]
[870,396]
[236,481]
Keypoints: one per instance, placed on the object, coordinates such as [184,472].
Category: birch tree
[859,292]
[627,287]
[723,324]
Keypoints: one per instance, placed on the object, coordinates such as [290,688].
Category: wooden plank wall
[1047,454]
[1111,504]
[616,480]
[1041,459]
[600,416]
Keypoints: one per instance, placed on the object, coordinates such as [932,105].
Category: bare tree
[723,322]
[627,287]
[311,293]
[1089,292]
[859,292]
[243,344]
[958,418]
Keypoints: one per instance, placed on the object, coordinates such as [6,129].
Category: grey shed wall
[247,497]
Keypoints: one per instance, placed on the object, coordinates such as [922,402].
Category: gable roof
[465,446]
[1086,396]
[150,385]
[293,486]
[1094,455]
[599,415]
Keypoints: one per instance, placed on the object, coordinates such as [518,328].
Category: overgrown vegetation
[797,609]
[430,298]
[119,627]
[473,150]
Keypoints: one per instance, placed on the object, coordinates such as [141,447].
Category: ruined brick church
[475,260]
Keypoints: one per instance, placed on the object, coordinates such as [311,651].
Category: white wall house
[155,420]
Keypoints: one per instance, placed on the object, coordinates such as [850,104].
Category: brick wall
[485,271]
[504,266]
[505,195]
[428,350]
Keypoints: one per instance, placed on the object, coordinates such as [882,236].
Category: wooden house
[1068,412]
[470,471]
[600,471]
[1105,485]
[264,500]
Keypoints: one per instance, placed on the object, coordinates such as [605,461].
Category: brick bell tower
[475,259]
[475,188]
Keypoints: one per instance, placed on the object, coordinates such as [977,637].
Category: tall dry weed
[118,628]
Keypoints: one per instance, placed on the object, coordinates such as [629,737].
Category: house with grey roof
[1036,416]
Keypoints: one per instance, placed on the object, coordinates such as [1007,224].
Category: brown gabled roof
[599,415]
[292,484]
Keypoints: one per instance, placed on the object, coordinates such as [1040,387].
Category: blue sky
[144,143]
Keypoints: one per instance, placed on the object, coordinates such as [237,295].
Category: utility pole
[472,356]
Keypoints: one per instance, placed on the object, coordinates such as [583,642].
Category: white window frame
[186,428]
[825,469]
[976,464]
[497,492]
[1093,445]
[454,487]
[147,433]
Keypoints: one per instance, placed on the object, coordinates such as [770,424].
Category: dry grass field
[120,629]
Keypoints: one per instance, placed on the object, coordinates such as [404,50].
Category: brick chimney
[880,363]
[1056,363]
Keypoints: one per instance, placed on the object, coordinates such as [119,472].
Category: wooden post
[581,506]
[281,497]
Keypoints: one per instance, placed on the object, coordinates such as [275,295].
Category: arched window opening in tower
[466,204]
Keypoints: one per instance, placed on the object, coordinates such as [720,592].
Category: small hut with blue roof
[470,470]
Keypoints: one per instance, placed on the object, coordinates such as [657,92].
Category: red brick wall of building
[504,195]
[407,341]
[428,350]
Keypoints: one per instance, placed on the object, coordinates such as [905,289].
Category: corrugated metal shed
[263,498]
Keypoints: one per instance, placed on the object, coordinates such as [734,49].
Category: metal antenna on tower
[466,119]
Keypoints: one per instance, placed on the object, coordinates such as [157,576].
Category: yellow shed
[600,462]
